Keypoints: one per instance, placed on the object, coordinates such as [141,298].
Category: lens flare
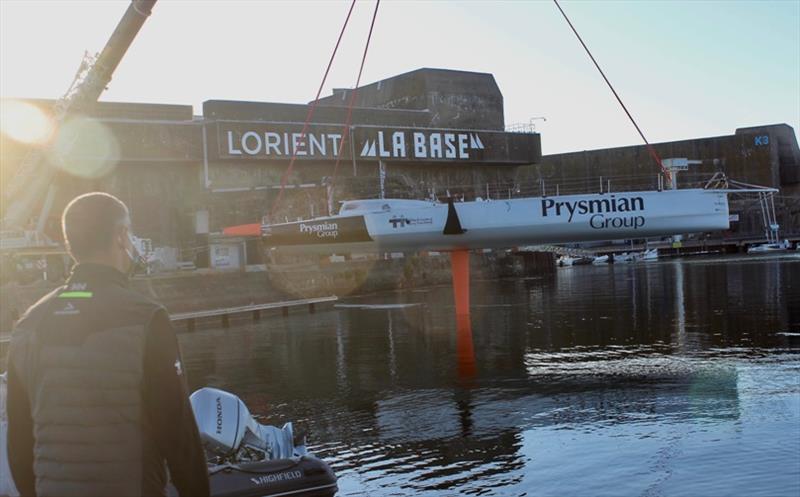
[25,122]
[85,147]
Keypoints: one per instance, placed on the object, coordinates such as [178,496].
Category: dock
[224,313]
[190,318]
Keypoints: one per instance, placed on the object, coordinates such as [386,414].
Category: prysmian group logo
[402,221]
[600,210]
[321,230]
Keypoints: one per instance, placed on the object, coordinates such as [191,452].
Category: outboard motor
[226,427]
[248,459]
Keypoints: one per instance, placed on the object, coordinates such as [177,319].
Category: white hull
[407,225]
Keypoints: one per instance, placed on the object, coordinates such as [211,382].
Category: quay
[685,248]
[224,313]
[693,246]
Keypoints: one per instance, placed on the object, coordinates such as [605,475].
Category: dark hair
[89,222]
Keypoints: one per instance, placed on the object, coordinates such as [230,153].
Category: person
[97,397]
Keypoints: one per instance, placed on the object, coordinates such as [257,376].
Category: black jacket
[97,399]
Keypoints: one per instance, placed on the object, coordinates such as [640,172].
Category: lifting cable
[351,103]
[650,148]
[310,115]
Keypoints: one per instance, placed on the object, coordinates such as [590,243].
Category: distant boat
[600,259]
[649,255]
[624,257]
[564,260]
[567,260]
[762,248]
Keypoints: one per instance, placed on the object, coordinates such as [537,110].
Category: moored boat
[768,247]
[649,255]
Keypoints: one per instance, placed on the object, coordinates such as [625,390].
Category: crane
[32,184]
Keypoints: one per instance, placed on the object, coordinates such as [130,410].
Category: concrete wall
[324,113]
[453,99]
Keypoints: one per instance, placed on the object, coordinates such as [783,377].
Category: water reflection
[465,350]
[651,365]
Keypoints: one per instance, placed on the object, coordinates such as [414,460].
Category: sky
[685,69]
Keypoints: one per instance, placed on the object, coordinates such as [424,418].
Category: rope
[349,118]
[310,114]
[650,148]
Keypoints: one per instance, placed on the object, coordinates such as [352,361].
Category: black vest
[80,353]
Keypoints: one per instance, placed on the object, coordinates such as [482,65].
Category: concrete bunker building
[429,131]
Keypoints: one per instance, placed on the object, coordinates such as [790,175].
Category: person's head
[97,228]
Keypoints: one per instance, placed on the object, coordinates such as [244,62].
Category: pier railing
[254,309]
[575,186]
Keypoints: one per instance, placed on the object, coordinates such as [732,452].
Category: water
[667,378]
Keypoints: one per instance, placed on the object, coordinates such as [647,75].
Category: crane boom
[116,47]
[29,186]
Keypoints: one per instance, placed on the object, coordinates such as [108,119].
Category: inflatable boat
[248,459]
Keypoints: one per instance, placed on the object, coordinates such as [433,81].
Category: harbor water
[674,377]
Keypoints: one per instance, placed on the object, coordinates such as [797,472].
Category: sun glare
[84,147]
[24,122]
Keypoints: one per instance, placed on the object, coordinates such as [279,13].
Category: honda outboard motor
[248,459]
[226,426]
